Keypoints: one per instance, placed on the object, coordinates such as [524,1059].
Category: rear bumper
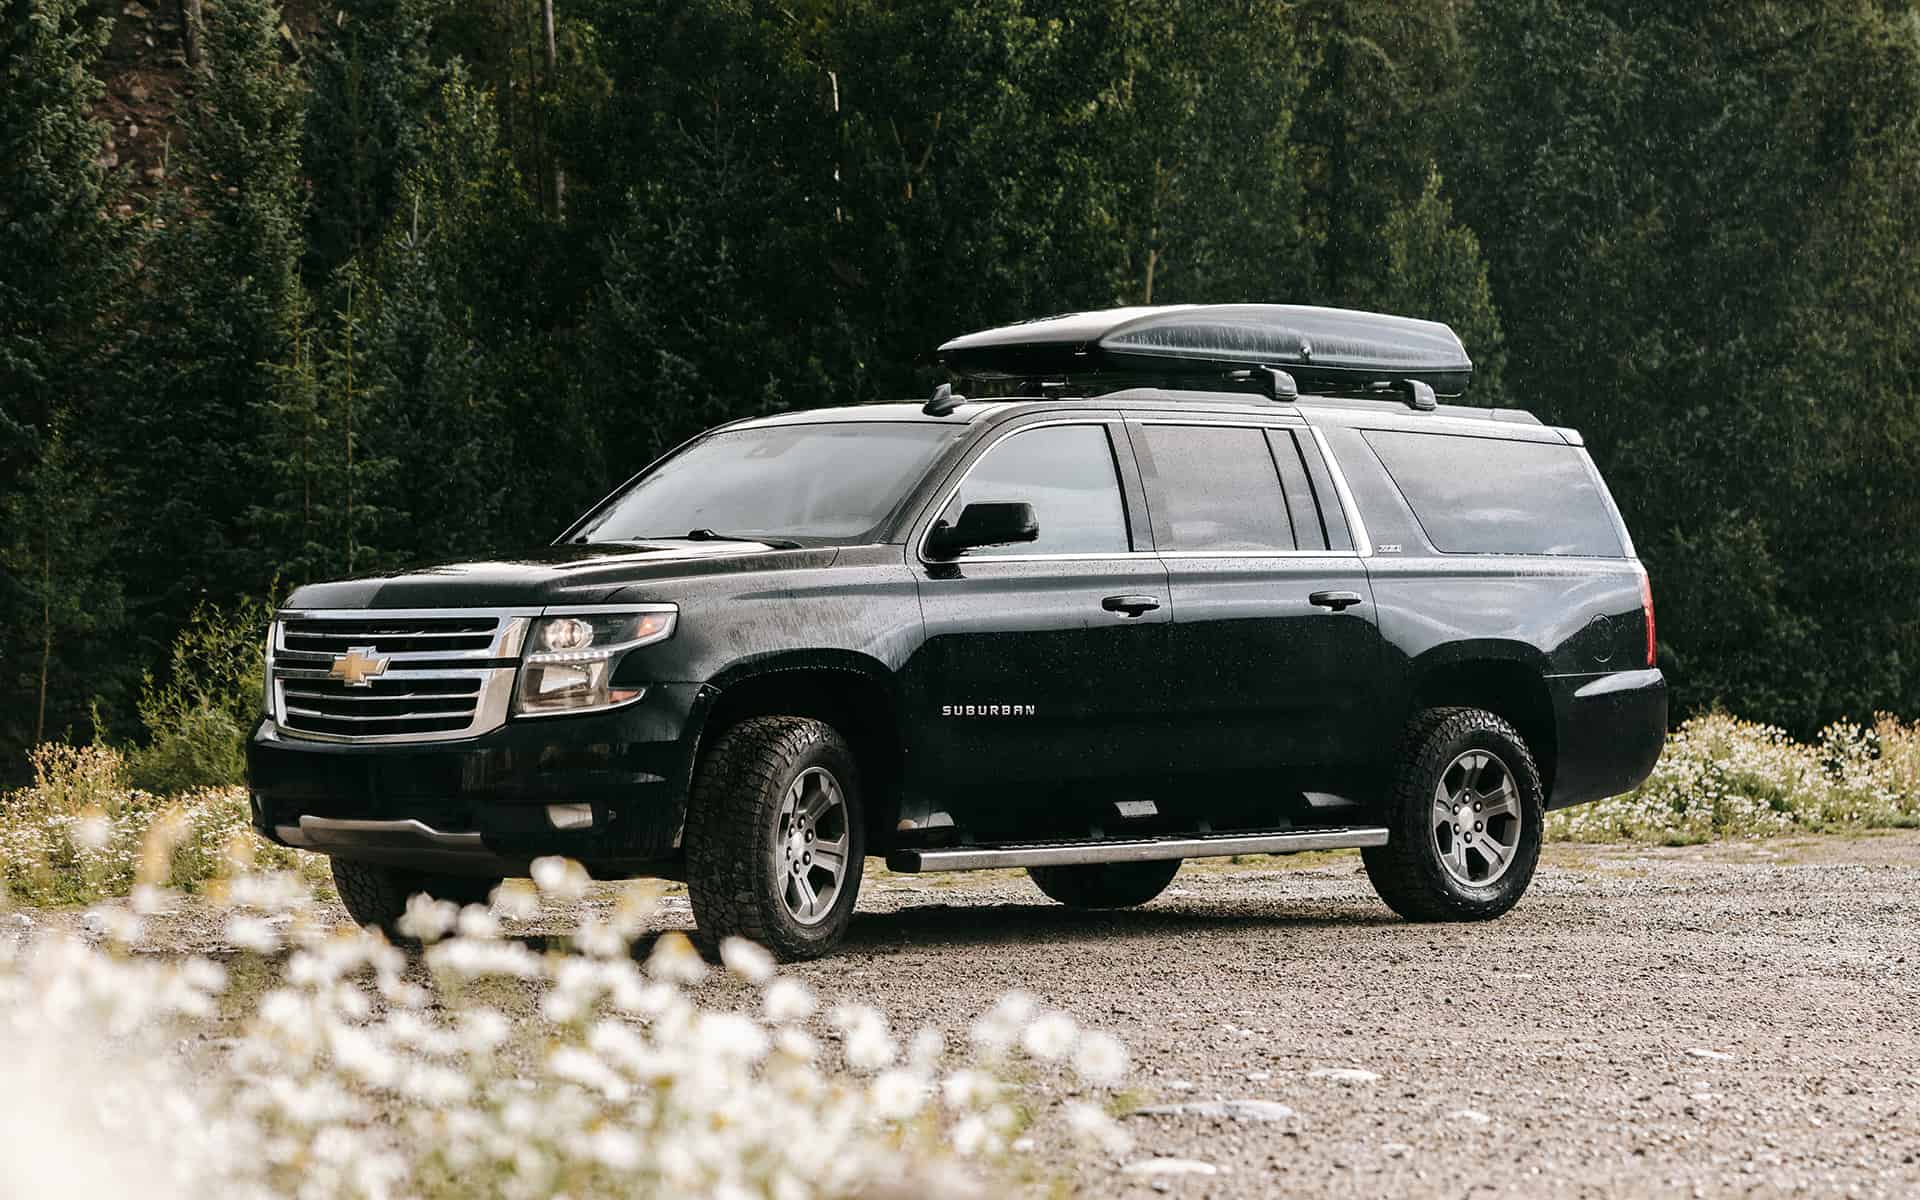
[480,805]
[1610,730]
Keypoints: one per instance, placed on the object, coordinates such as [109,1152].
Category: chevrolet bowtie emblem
[357,667]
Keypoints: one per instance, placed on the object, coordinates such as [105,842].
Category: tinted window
[1067,473]
[1476,495]
[1216,488]
[829,481]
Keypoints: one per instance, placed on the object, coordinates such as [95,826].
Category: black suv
[1154,603]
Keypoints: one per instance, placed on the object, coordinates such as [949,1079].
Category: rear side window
[1067,473]
[1476,495]
[1216,487]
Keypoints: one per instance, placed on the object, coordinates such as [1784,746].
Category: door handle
[1133,606]
[1337,601]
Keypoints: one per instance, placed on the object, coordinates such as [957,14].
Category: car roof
[1339,409]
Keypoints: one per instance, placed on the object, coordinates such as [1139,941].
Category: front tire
[375,895]
[1105,885]
[776,839]
[1464,819]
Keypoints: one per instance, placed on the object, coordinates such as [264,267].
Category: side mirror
[988,523]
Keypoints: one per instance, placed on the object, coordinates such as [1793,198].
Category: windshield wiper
[696,535]
[708,535]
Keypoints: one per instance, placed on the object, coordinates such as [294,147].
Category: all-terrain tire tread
[375,896]
[734,796]
[1401,871]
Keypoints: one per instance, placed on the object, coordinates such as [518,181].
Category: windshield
[831,482]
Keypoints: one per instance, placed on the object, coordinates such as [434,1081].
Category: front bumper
[1611,729]
[479,805]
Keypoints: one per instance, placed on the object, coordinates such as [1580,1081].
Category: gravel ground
[1731,1020]
[1740,1019]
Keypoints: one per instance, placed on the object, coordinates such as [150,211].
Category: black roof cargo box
[1327,350]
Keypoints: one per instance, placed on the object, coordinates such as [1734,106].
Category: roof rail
[1282,350]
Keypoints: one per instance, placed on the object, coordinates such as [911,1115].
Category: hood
[600,573]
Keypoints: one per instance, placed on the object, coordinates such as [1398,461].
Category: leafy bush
[483,1066]
[197,719]
[1724,777]
[78,833]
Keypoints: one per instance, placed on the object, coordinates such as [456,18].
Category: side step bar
[1061,854]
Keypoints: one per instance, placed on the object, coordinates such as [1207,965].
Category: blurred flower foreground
[325,1062]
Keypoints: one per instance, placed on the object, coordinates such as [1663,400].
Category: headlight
[570,660]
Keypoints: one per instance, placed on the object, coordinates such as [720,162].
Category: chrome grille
[331,637]
[440,675]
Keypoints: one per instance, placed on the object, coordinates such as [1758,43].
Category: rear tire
[1105,885]
[776,837]
[376,895]
[1464,819]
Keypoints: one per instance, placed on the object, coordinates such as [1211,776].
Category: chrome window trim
[1260,554]
[1032,558]
[1356,526]
[1277,421]
[1104,420]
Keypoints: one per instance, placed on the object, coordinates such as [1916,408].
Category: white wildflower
[674,960]
[93,832]
[786,1001]
[968,1089]
[896,1095]
[971,1136]
[516,900]
[1096,1128]
[1049,1036]
[746,959]
[252,934]
[1001,1026]
[926,1050]
[731,1036]
[1100,1059]
[561,878]
[477,921]
[427,919]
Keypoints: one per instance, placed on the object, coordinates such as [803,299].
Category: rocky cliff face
[148,81]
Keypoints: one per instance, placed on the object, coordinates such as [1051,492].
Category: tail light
[1646,609]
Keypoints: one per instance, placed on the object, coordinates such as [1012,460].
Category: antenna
[944,401]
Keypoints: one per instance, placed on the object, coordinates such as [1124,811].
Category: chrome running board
[1062,854]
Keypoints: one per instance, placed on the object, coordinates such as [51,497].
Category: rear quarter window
[1479,495]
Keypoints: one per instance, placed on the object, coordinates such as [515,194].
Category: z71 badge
[986,710]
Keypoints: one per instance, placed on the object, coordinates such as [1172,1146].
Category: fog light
[570,816]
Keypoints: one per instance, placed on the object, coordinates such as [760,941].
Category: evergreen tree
[1434,270]
[1381,80]
[1698,228]
[373,83]
[62,590]
[221,306]
[64,259]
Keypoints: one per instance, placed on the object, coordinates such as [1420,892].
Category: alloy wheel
[1476,818]
[812,844]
